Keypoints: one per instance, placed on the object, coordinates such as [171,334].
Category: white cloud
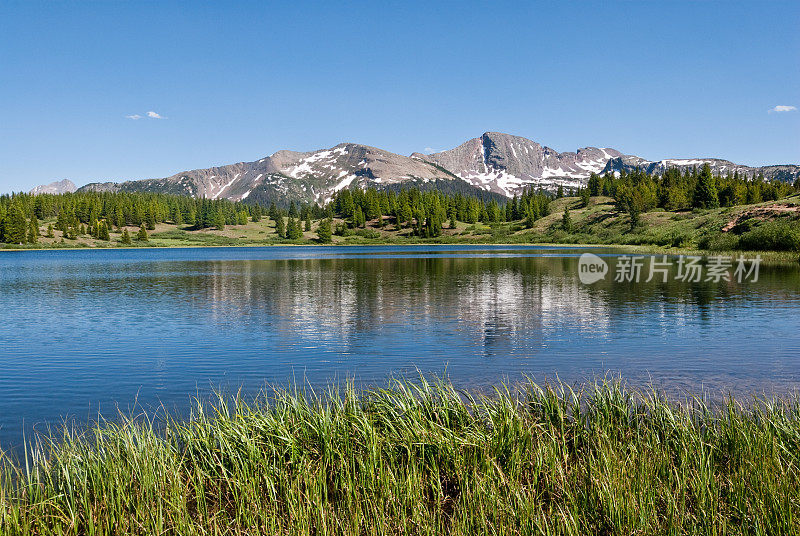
[154,115]
[134,116]
[783,108]
[429,150]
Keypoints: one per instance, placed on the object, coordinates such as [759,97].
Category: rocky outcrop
[58,187]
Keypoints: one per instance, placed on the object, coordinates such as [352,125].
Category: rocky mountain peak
[58,187]
[506,164]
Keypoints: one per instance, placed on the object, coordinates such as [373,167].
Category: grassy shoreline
[422,458]
[772,257]
[598,224]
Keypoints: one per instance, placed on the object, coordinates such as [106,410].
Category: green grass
[421,458]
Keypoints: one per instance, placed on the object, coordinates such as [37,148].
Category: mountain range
[494,163]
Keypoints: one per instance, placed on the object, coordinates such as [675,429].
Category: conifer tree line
[422,213]
[95,214]
[426,213]
[637,192]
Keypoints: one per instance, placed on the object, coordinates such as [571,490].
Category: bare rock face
[507,164]
[58,187]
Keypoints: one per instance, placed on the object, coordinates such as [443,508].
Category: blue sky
[236,81]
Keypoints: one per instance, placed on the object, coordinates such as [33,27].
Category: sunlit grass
[420,458]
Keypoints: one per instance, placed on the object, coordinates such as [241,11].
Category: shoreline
[419,457]
[787,257]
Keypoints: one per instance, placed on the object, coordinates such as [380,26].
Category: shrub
[777,236]
[719,242]
[363,233]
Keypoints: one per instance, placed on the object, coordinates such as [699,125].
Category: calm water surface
[89,331]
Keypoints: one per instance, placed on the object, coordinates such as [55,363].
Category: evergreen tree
[419,216]
[119,217]
[373,208]
[675,198]
[280,228]
[219,221]
[405,214]
[293,229]
[126,236]
[62,221]
[585,197]
[566,221]
[307,226]
[16,225]
[358,218]
[630,200]
[493,212]
[150,218]
[530,217]
[344,203]
[705,194]
[50,233]
[104,232]
[595,185]
[560,192]
[293,210]
[142,234]
[33,232]
[324,233]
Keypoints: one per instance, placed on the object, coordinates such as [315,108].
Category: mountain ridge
[494,163]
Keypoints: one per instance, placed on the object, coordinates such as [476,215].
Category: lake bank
[421,458]
[782,257]
[771,228]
